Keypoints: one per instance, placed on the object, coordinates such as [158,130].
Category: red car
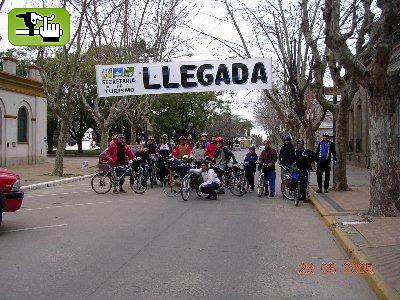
[10,194]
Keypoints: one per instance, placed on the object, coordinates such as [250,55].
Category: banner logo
[38,26]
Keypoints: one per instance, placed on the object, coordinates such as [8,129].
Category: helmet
[287,138]
[164,136]
[204,134]
[300,142]
[326,134]
[219,139]
[120,136]
[252,148]
[182,138]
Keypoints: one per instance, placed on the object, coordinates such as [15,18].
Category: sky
[210,17]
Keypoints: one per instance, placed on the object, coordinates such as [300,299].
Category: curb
[42,185]
[381,289]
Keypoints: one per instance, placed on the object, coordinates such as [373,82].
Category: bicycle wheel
[172,185]
[287,193]
[239,185]
[260,187]
[297,194]
[138,183]
[101,183]
[185,191]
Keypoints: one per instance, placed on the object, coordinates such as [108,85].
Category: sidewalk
[377,238]
[31,174]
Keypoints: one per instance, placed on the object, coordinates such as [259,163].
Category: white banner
[183,77]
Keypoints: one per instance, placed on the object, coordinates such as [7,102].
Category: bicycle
[234,178]
[191,182]
[176,170]
[102,182]
[292,184]
[262,186]
[286,179]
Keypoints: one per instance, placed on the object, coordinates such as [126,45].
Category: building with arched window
[23,116]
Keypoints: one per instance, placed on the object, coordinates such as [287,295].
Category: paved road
[68,242]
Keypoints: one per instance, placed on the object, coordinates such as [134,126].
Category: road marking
[34,228]
[69,205]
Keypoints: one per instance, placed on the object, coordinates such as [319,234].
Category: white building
[23,116]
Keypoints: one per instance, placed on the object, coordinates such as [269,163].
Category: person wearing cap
[165,150]
[181,149]
[287,155]
[210,149]
[325,151]
[268,159]
[222,156]
[199,150]
[151,145]
[211,182]
[250,162]
[304,159]
[118,154]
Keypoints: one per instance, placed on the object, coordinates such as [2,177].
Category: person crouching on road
[211,181]
[268,158]
[118,154]
[250,162]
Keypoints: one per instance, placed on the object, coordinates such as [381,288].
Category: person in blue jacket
[250,163]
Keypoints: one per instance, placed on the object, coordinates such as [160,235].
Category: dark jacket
[287,155]
[269,156]
[250,162]
[332,152]
[304,159]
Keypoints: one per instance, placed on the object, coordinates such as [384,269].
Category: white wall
[36,148]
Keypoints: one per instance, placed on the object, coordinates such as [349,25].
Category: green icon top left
[39,26]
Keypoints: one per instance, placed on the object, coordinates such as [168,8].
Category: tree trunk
[342,140]
[104,138]
[133,135]
[62,143]
[310,138]
[50,144]
[385,164]
[79,146]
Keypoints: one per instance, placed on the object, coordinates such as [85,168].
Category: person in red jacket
[211,147]
[118,154]
[182,149]
[268,158]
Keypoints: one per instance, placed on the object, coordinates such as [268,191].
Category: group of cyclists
[211,159]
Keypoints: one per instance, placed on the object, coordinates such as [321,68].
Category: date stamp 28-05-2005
[331,268]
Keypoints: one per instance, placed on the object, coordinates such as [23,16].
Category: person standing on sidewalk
[250,162]
[325,151]
[304,159]
[268,159]
[118,154]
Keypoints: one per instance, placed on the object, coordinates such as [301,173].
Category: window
[22,125]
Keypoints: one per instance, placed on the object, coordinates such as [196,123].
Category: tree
[228,126]
[372,68]
[184,114]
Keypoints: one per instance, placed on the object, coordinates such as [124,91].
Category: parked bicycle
[292,179]
[235,180]
[262,186]
[191,182]
[103,181]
